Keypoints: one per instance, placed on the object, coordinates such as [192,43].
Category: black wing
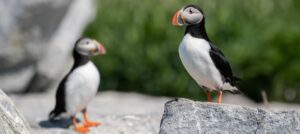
[222,65]
[60,100]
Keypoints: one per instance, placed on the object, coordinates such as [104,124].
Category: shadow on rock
[65,123]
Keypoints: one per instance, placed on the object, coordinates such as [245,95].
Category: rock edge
[183,116]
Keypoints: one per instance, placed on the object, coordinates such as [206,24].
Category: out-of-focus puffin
[80,85]
[202,59]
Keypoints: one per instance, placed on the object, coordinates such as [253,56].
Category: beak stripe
[184,19]
[99,48]
[175,19]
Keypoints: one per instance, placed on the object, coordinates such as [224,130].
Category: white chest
[194,54]
[194,49]
[81,86]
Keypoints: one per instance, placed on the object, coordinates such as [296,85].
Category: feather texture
[206,64]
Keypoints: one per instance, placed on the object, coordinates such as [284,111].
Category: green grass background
[261,39]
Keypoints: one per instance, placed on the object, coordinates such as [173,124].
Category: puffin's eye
[190,11]
[87,42]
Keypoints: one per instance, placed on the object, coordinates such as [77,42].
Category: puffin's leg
[87,122]
[77,127]
[220,96]
[208,96]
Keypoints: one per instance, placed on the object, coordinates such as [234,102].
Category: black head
[89,47]
[85,48]
[191,16]
[188,15]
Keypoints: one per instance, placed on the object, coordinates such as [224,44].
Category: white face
[89,47]
[187,16]
[191,15]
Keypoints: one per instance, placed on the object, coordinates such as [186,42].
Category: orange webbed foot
[92,124]
[81,129]
[87,122]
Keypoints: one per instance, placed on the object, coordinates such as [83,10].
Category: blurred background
[259,38]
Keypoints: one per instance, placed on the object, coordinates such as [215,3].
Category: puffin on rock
[80,85]
[202,59]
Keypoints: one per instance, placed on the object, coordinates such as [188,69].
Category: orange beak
[176,20]
[100,48]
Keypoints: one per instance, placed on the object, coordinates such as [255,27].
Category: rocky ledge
[120,113]
[182,116]
[11,121]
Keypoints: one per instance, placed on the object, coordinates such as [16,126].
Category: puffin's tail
[236,79]
[235,91]
[53,115]
[231,88]
[231,85]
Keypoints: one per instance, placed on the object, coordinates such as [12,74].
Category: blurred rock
[121,124]
[184,116]
[273,106]
[120,113]
[36,40]
[11,121]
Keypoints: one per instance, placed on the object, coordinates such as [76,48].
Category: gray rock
[120,113]
[11,121]
[120,124]
[184,116]
[36,35]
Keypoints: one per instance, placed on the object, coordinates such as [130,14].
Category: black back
[60,106]
[199,31]
[222,65]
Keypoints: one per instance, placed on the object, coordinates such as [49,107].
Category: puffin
[202,59]
[79,86]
